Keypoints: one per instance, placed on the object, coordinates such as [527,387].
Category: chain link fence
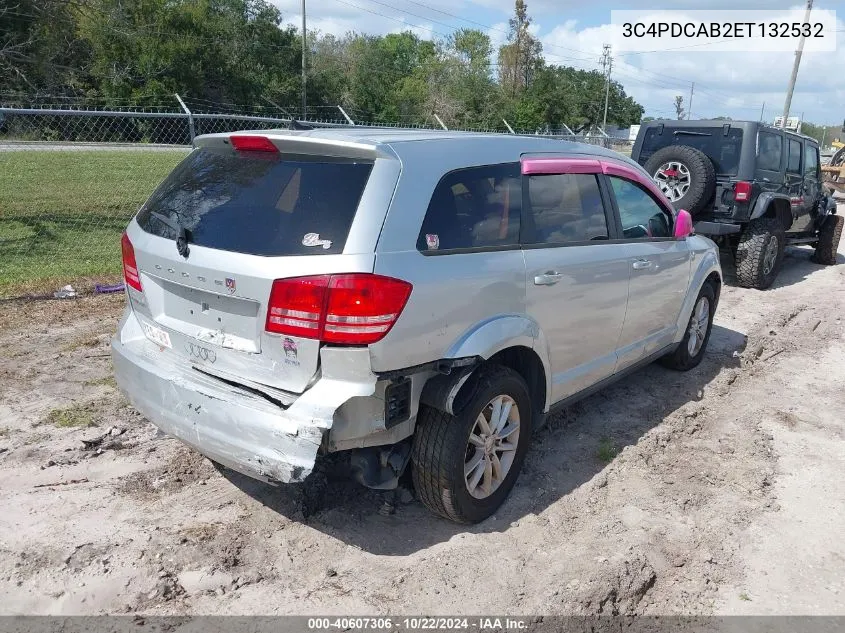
[73,178]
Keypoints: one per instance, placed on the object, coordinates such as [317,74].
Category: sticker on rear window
[313,239]
[432,240]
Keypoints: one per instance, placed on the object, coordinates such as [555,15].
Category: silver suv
[421,298]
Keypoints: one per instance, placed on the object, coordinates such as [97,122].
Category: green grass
[106,381]
[744,597]
[75,416]
[88,340]
[606,450]
[62,213]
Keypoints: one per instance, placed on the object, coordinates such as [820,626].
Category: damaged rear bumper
[232,426]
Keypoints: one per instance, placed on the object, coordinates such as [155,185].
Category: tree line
[141,52]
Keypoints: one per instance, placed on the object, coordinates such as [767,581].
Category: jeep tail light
[130,266]
[247,143]
[349,309]
[742,191]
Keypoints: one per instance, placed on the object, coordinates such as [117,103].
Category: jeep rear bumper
[717,228]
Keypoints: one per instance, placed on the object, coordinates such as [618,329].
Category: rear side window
[793,163]
[769,151]
[721,148]
[565,208]
[474,208]
[257,203]
[811,161]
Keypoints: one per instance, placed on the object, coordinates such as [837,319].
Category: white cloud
[498,35]
[730,84]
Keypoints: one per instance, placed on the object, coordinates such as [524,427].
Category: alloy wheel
[673,178]
[491,447]
[698,323]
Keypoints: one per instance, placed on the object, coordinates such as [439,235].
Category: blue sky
[572,32]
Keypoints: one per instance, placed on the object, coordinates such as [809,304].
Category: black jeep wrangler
[751,187]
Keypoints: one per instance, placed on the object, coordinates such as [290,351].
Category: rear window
[793,163]
[258,203]
[723,149]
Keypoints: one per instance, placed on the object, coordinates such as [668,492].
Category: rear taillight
[742,191]
[130,266]
[350,309]
[245,143]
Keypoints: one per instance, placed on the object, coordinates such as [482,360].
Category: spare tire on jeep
[685,175]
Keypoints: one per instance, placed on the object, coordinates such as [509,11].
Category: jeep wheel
[685,175]
[465,465]
[759,254]
[691,349]
[828,243]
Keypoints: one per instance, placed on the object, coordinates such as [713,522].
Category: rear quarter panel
[453,294]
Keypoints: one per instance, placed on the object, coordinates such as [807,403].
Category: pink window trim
[538,166]
[535,166]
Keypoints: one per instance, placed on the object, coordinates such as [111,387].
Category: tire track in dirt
[637,500]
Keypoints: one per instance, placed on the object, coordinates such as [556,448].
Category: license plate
[157,335]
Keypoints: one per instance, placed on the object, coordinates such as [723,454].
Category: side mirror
[683,224]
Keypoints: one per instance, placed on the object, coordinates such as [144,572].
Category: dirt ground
[719,491]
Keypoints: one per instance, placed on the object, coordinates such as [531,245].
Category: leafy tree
[520,58]
[565,95]
[467,54]
[385,75]
[822,133]
[221,50]
[38,49]
[679,107]
[238,51]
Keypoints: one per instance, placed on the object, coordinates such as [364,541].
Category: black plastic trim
[443,366]
[717,228]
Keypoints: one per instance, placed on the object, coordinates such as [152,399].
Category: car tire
[702,176]
[828,243]
[443,449]
[757,264]
[691,349]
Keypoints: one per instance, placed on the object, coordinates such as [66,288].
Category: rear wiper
[185,236]
[691,133]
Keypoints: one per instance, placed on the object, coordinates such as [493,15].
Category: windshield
[723,149]
[258,203]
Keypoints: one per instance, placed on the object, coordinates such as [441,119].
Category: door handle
[641,264]
[549,278]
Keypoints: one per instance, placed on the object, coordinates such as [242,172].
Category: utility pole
[607,65]
[763,111]
[304,52]
[824,135]
[689,107]
[795,66]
